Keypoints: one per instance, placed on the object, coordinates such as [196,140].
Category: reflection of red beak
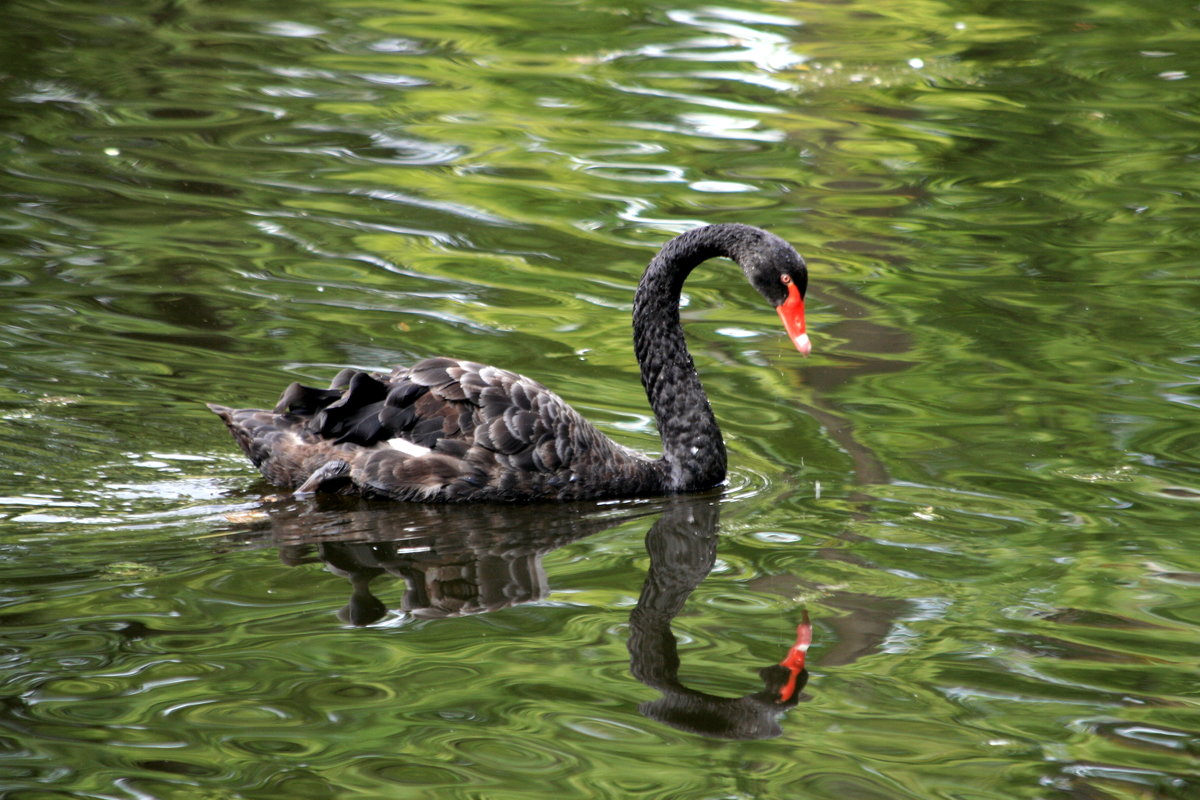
[793,662]
[792,314]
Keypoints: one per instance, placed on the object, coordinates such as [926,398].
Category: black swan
[445,430]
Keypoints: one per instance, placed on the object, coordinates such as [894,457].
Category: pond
[981,487]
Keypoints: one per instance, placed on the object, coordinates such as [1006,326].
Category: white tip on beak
[802,344]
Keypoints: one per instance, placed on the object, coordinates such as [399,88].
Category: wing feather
[491,433]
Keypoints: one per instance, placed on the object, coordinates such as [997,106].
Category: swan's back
[443,430]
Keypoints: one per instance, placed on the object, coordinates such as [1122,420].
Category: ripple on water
[276,746]
[214,714]
[607,730]
[531,758]
[388,773]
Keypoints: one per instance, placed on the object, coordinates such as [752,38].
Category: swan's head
[772,266]
[779,274]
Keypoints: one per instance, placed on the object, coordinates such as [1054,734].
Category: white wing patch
[409,448]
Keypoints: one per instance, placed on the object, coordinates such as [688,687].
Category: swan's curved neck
[693,451]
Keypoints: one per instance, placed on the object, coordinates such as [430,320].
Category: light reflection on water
[204,202]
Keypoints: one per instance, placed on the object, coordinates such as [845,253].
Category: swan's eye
[785,278]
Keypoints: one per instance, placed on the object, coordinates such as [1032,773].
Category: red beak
[793,662]
[792,314]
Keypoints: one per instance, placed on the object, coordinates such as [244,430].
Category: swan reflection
[682,545]
[454,561]
[457,561]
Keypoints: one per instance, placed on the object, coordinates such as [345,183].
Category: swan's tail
[250,427]
[274,443]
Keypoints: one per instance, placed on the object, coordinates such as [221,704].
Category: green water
[982,486]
